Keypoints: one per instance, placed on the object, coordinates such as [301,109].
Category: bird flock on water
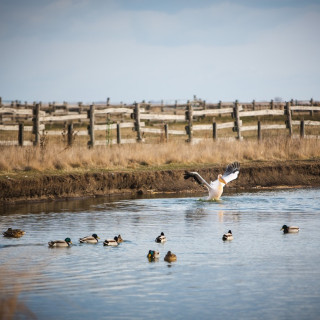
[215,190]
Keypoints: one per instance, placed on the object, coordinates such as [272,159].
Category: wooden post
[259,131]
[302,131]
[36,124]
[237,118]
[253,105]
[0,101]
[91,126]
[311,104]
[136,116]
[20,134]
[166,131]
[289,119]
[214,131]
[189,117]
[108,101]
[70,134]
[220,107]
[271,105]
[118,134]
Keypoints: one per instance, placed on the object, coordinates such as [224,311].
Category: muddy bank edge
[253,175]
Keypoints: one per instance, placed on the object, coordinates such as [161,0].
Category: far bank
[35,186]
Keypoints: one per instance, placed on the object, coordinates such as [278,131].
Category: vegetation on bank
[56,157]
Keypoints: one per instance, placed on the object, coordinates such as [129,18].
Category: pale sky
[134,50]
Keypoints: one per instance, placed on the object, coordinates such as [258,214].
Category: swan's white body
[215,188]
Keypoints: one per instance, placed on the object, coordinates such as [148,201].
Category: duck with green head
[90,239]
[291,229]
[60,243]
[153,255]
[227,236]
[111,242]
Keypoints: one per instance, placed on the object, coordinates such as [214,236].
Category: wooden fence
[146,119]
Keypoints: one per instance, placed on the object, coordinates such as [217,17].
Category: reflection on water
[261,274]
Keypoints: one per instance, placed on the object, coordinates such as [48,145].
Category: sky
[134,50]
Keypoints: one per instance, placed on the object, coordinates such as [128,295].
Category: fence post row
[70,134]
[91,126]
[289,119]
[259,131]
[302,131]
[118,134]
[214,131]
[136,117]
[237,119]
[189,118]
[21,134]
[166,132]
[36,124]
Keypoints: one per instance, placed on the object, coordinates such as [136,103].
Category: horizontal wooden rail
[63,118]
[261,113]
[306,122]
[162,117]
[212,112]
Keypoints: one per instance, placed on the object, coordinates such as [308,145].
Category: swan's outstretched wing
[231,172]
[196,176]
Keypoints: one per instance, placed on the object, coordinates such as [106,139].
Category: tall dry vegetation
[57,157]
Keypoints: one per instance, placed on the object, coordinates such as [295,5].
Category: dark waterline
[261,274]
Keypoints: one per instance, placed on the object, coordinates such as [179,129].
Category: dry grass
[57,157]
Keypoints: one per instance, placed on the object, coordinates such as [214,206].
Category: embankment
[39,186]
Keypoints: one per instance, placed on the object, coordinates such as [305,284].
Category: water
[261,274]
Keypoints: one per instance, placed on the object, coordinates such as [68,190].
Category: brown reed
[57,157]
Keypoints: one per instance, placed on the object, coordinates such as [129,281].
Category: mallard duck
[227,236]
[153,255]
[13,233]
[111,242]
[170,257]
[119,238]
[291,229]
[60,243]
[90,239]
[161,238]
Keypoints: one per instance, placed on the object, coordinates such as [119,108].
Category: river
[261,274]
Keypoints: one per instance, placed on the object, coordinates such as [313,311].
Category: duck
[13,233]
[162,238]
[60,243]
[111,242]
[152,255]
[170,257]
[291,229]
[119,238]
[227,236]
[90,239]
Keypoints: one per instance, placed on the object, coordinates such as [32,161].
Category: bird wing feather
[196,176]
[231,172]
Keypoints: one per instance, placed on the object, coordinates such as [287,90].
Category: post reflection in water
[244,277]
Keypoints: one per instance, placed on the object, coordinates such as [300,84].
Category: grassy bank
[55,157]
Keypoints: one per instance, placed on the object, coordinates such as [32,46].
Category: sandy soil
[253,175]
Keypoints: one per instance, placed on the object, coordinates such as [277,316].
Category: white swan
[215,188]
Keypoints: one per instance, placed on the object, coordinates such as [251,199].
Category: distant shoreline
[56,186]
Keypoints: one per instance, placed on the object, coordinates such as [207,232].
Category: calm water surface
[261,274]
